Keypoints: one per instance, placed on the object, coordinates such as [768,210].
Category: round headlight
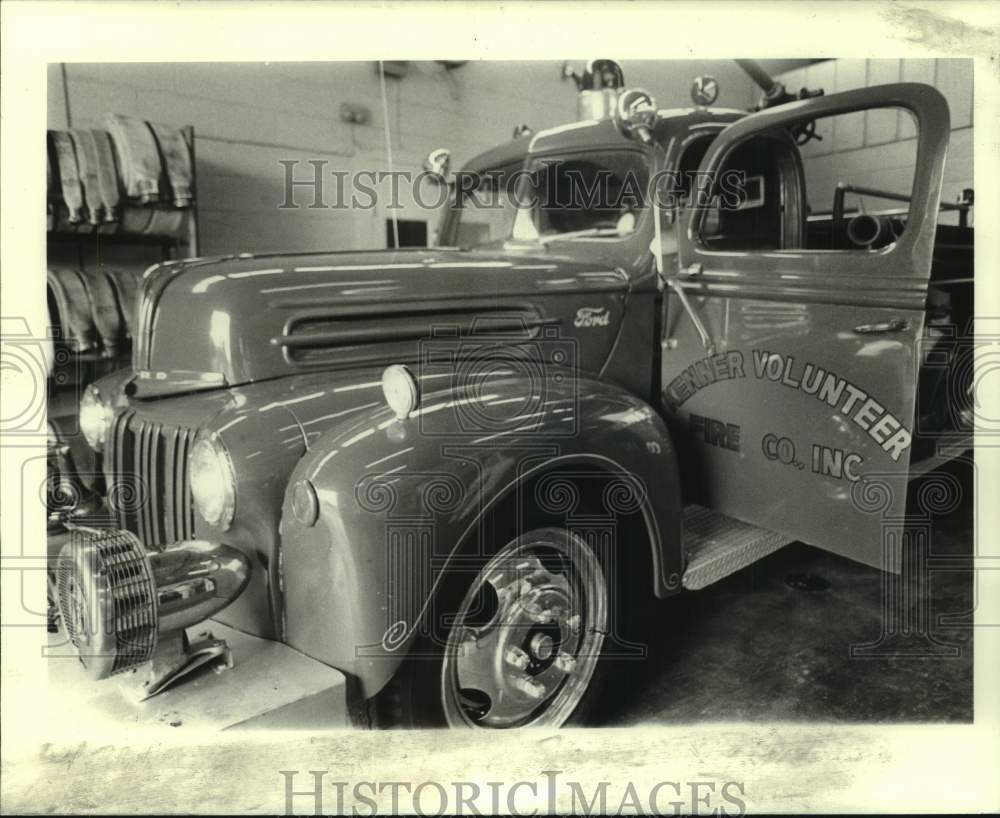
[95,418]
[213,481]
[400,390]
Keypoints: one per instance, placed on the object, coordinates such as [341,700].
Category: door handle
[892,325]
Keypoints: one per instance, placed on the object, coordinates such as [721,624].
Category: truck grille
[147,479]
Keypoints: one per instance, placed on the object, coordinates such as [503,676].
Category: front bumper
[270,685]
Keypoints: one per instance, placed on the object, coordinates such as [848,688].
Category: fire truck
[441,486]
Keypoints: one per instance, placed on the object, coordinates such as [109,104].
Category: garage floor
[753,648]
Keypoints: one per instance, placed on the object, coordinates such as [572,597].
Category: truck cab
[644,354]
[858,327]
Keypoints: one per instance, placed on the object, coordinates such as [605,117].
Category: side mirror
[637,114]
[438,163]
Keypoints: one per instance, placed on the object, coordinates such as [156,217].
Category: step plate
[718,546]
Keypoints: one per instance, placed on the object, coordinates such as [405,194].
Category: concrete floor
[752,648]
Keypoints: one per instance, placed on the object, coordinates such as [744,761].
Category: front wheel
[516,643]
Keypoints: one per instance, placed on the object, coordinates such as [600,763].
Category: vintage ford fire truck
[439,486]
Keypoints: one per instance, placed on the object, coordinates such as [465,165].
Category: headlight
[95,418]
[213,481]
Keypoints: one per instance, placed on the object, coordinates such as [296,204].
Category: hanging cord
[65,88]
[388,147]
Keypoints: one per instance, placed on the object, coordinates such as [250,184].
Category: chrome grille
[147,479]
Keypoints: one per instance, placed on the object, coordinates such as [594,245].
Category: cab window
[859,179]
[759,203]
[833,191]
[599,194]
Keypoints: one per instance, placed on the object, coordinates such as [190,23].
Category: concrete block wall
[249,116]
[878,148]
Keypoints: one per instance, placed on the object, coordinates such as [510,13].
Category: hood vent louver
[349,335]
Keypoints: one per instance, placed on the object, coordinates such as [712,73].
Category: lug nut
[529,687]
[535,611]
[517,658]
[514,589]
[542,646]
[566,663]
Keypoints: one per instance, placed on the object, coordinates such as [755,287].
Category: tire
[518,640]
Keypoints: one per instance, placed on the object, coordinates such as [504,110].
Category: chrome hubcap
[527,635]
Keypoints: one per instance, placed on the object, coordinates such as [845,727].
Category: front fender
[397,497]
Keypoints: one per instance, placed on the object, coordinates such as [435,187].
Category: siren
[599,85]
[125,609]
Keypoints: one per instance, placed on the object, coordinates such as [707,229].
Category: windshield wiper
[579,234]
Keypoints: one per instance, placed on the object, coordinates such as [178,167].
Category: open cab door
[789,354]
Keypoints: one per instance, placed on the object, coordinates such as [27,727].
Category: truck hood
[210,323]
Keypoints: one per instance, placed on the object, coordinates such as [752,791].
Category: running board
[717,546]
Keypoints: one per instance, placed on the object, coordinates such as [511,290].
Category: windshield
[482,213]
[599,194]
[592,195]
